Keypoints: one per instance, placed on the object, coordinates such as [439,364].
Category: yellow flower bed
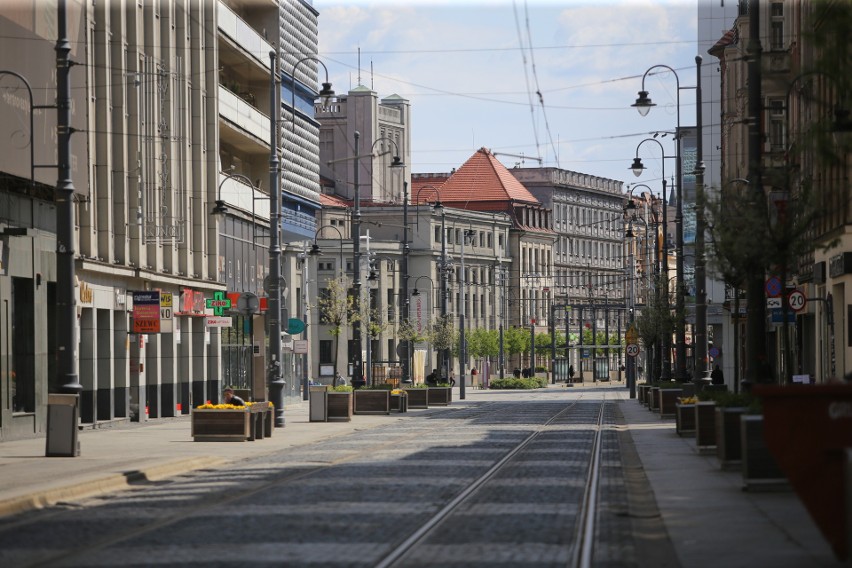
[397,391]
[220,407]
[687,399]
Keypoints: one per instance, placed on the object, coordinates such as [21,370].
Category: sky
[532,78]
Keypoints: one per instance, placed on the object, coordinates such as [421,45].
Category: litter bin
[318,404]
[63,411]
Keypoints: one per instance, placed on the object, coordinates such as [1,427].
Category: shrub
[515,383]
[342,388]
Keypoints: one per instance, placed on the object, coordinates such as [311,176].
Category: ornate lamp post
[444,268]
[643,104]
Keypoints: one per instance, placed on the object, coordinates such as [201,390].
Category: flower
[687,399]
[220,407]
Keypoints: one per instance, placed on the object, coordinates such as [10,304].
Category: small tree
[442,335]
[337,308]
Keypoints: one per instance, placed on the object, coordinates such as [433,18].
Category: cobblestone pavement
[350,500]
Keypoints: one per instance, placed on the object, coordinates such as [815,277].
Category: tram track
[496,449]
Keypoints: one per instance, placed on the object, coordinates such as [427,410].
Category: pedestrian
[452,378]
[432,378]
[517,373]
[717,377]
[338,379]
[571,372]
[231,398]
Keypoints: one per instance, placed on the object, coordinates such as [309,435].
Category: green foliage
[516,340]
[417,386]
[407,332]
[341,388]
[513,383]
[483,343]
[733,400]
[441,333]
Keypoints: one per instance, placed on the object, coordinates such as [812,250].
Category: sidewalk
[710,520]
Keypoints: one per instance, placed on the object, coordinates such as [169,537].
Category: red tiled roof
[483,178]
[332,201]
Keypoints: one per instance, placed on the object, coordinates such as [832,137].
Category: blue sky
[472,71]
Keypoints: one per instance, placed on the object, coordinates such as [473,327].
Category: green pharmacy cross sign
[219,303]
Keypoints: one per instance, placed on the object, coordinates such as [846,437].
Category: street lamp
[325,95]
[466,234]
[643,104]
[444,269]
[275,379]
[638,168]
[315,248]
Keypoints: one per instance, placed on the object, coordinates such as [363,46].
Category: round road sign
[632,350]
[796,300]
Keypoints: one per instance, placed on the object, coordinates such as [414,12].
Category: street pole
[445,356]
[502,353]
[406,304]
[702,364]
[666,373]
[305,369]
[462,310]
[67,339]
[275,378]
[357,370]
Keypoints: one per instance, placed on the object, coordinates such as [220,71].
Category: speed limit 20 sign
[797,300]
[632,350]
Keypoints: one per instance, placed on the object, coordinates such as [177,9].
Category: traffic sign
[773,303]
[632,336]
[632,350]
[797,300]
[295,326]
[772,287]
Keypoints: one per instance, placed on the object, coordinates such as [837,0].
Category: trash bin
[63,411]
[318,404]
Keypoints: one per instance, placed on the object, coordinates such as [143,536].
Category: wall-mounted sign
[218,321]
[146,312]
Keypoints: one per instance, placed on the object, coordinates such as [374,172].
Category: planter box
[808,430]
[642,393]
[728,442]
[417,398]
[653,399]
[685,419]
[225,425]
[372,401]
[338,406]
[439,396]
[760,470]
[705,426]
[668,400]
[399,402]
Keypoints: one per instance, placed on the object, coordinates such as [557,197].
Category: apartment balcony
[244,36]
[248,128]
[237,194]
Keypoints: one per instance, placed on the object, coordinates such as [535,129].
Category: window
[325,351]
[437,234]
[777,124]
[776,26]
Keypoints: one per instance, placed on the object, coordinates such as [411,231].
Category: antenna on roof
[372,77]
[359,65]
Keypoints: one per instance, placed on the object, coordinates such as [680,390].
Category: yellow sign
[165,299]
[632,336]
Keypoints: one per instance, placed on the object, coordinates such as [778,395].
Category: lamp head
[629,234]
[638,167]
[397,162]
[438,207]
[220,208]
[326,94]
[643,103]
[315,250]
[416,292]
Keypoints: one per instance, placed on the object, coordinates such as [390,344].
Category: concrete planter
[705,426]
[653,399]
[685,419]
[220,425]
[439,396]
[760,470]
[339,406]
[417,398]
[728,441]
[668,400]
[372,401]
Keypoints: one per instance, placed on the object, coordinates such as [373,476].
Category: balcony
[237,194]
[244,36]
[245,119]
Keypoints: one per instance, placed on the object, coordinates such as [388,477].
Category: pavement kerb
[106,484]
